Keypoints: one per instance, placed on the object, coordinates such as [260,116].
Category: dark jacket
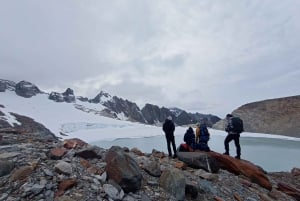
[189,136]
[169,128]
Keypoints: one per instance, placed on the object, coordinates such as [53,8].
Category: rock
[243,167]
[173,181]
[112,192]
[65,185]
[90,152]
[277,116]
[191,190]
[137,151]
[152,168]
[6,167]
[123,169]
[69,96]
[289,190]
[9,155]
[21,173]
[26,89]
[199,160]
[206,175]
[63,167]
[57,153]
[295,172]
[74,143]
[180,165]
[57,97]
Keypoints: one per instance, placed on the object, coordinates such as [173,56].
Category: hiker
[202,134]
[189,137]
[233,134]
[169,128]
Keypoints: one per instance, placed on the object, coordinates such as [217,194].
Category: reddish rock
[21,173]
[57,153]
[94,170]
[243,167]
[237,197]
[180,165]
[65,185]
[216,198]
[85,163]
[289,190]
[74,143]
[137,152]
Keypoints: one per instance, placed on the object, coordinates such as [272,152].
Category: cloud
[211,56]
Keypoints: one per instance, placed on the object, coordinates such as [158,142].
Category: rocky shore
[44,168]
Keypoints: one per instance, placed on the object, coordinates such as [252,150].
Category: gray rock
[199,160]
[173,181]
[6,167]
[9,155]
[63,167]
[111,191]
[123,169]
[152,168]
[26,89]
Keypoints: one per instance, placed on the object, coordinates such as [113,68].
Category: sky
[201,56]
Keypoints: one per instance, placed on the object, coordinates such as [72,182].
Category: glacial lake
[272,154]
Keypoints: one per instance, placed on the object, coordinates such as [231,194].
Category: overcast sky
[206,56]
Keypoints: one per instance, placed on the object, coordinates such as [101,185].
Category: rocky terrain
[37,166]
[276,116]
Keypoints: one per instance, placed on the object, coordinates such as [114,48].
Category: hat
[169,117]
[229,115]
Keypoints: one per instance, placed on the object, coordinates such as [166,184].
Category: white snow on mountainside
[84,123]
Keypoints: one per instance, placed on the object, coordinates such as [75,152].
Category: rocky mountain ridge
[275,116]
[36,166]
[114,107]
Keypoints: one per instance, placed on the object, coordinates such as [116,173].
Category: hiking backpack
[236,125]
[204,134]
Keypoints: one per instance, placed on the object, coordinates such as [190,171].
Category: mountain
[277,116]
[112,106]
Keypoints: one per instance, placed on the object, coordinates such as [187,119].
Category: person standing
[233,134]
[169,128]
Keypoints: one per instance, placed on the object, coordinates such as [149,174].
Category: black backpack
[236,125]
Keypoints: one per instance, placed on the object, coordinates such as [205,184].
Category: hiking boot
[226,153]
[175,156]
[237,157]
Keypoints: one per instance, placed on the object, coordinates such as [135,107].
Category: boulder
[57,153]
[21,173]
[243,167]
[26,89]
[6,167]
[173,181]
[200,160]
[123,169]
[90,152]
[74,143]
[289,190]
[63,167]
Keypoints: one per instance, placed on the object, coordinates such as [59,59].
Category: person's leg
[169,147]
[226,143]
[238,146]
[174,146]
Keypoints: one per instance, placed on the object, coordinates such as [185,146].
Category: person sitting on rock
[189,137]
